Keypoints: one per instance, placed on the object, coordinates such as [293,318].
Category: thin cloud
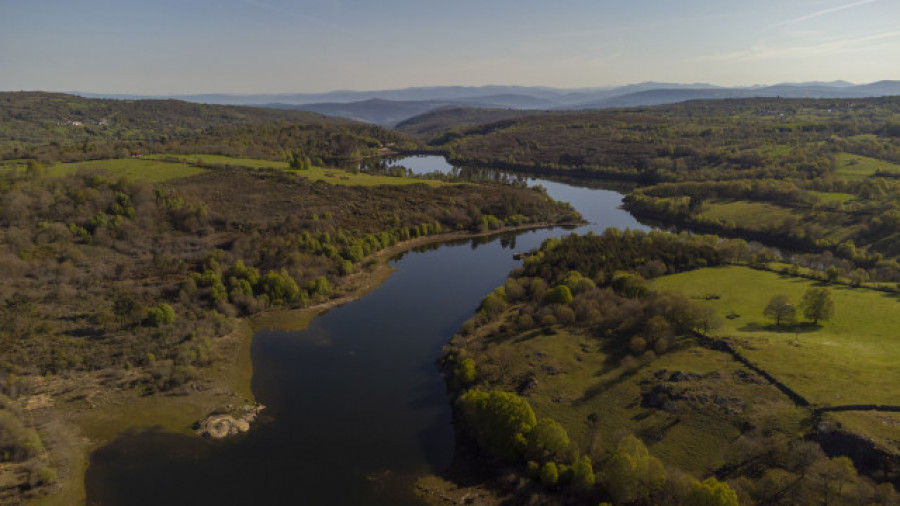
[824,12]
[763,52]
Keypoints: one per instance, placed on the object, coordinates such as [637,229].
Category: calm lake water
[356,409]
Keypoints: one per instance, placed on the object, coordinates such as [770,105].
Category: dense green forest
[702,140]
[811,176]
[60,128]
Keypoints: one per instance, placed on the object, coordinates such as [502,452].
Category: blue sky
[265,46]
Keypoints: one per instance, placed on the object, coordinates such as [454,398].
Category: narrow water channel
[356,409]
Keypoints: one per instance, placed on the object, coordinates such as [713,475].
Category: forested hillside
[702,140]
[57,127]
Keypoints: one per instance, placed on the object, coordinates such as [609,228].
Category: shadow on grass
[796,328]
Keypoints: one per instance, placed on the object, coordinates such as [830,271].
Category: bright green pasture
[329,175]
[226,160]
[851,359]
[747,215]
[133,168]
[829,197]
[338,176]
[859,167]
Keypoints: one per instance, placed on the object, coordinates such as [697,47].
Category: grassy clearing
[829,197]
[747,215]
[574,378]
[342,177]
[329,175]
[225,160]
[882,428]
[849,360]
[134,168]
[859,167]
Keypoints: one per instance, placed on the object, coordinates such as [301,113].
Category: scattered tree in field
[817,304]
[781,309]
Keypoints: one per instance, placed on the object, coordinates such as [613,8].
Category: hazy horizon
[316,46]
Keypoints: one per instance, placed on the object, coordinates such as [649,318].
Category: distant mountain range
[390,107]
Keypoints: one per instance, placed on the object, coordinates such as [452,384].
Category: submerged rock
[221,425]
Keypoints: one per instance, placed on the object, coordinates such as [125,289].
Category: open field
[747,215]
[329,175]
[859,167]
[829,197]
[574,378]
[153,171]
[848,360]
[882,428]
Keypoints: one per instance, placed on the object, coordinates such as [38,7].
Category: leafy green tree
[830,478]
[280,287]
[558,295]
[547,439]
[501,421]
[320,286]
[583,474]
[240,271]
[629,285]
[493,304]
[781,309]
[163,314]
[817,304]
[632,475]
[465,372]
[549,475]
[712,492]
[831,274]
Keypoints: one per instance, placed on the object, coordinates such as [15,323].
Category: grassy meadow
[329,175]
[140,169]
[853,166]
[746,214]
[575,380]
[850,359]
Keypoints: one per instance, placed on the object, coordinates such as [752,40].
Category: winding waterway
[356,409]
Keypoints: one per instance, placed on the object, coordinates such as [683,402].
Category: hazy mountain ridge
[392,107]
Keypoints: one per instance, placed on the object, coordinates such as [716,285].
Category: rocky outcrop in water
[229,423]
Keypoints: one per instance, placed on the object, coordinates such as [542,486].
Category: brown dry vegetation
[114,289]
